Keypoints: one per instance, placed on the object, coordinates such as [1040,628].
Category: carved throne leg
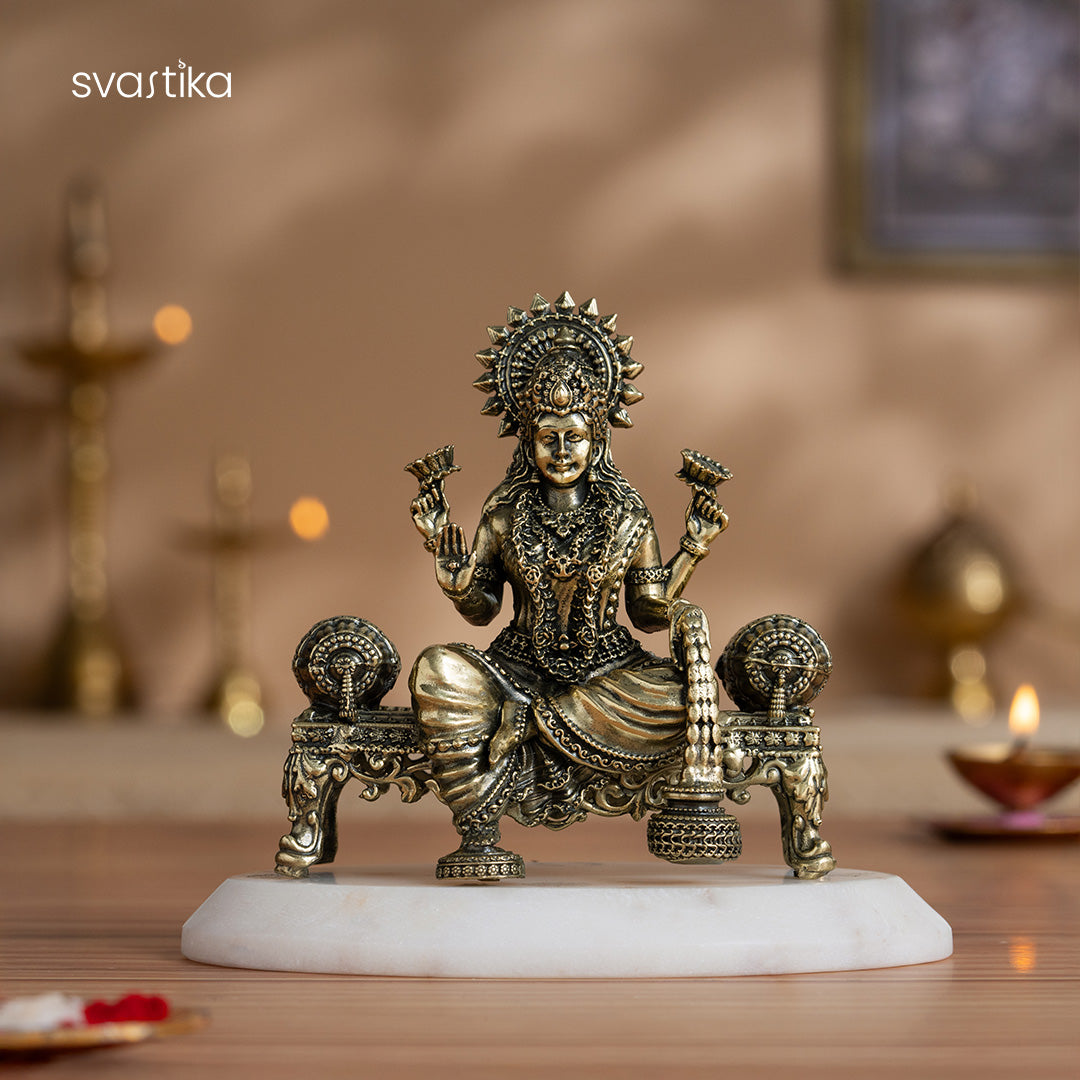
[311,788]
[800,792]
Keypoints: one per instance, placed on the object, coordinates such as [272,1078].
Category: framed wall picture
[958,136]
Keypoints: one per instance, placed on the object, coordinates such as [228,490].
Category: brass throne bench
[771,669]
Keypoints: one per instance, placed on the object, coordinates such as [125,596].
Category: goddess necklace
[563,579]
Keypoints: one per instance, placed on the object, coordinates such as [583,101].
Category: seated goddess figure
[564,713]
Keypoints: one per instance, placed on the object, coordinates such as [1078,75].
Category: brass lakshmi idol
[564,713]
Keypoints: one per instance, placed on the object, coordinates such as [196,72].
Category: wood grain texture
[97,910]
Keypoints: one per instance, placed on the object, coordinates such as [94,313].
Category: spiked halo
[528,336]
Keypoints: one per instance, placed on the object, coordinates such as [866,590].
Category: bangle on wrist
[693,548]
[431,543]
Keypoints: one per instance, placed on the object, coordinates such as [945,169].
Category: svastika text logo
[184,82]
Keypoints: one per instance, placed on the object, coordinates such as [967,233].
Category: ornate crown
[561,384]
[531,336]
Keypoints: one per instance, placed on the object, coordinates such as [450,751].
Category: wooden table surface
[97,909]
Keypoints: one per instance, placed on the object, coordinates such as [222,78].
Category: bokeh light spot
[308,518]
[1023,956]
[172,324]
[245,719]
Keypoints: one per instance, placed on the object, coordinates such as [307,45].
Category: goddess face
[562,448]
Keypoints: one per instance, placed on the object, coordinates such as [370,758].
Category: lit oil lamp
[1019,777]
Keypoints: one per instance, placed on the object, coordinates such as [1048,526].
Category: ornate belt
[611,647]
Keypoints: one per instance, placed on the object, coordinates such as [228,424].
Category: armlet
[487,575]
[648,575]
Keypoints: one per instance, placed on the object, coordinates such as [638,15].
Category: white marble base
[584,920]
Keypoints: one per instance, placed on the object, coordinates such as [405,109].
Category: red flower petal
[146,1007]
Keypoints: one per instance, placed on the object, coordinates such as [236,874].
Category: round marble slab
[581,920]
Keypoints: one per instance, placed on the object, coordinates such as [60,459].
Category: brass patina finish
[564,713]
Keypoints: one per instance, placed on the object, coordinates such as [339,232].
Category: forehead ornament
[560,396]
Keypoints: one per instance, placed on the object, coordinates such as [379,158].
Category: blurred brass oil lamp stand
[957,590]
[234,697]
[87,671]
[1019,777]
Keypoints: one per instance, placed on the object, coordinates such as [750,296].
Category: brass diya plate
[1008,827]
[21,1044]
[1018,777]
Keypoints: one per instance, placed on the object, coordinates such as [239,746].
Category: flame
[172,324]
[1024,711]
[308,518]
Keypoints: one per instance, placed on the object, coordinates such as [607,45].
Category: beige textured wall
[385,179]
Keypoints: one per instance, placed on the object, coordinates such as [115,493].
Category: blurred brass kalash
[957,590]
[87,671]
[563,714]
